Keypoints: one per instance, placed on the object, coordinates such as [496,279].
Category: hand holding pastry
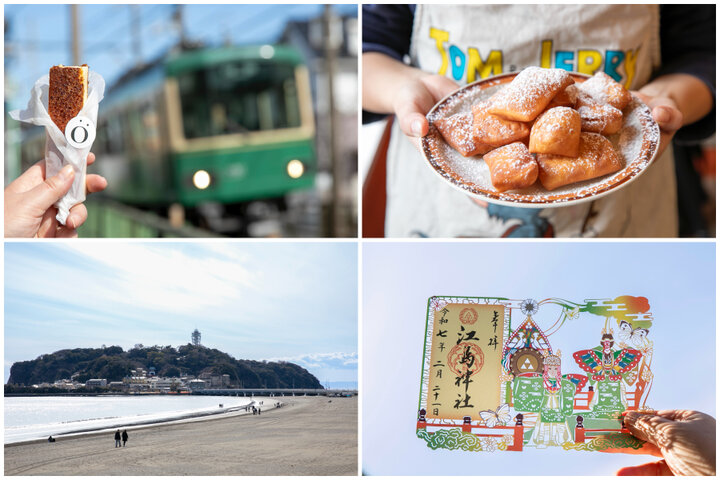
[417,98]
[390,86]
[675,100]
[665,112]
[29,200]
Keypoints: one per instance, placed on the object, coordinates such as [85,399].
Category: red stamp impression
[468,316]
[465,356]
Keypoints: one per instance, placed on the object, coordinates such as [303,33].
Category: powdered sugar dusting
[530,92]
[459,129]
[636,144]
[603,89]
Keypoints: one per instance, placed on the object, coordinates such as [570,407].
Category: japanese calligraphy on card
[466,360]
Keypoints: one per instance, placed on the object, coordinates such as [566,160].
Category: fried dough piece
[511,167]
[458,132]
[67,93]
[604,90]
[597,117]
[596,158]
[556,131]
[493,130]
[566,98]
[529,93]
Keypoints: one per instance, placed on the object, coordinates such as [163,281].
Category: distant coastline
[232,392]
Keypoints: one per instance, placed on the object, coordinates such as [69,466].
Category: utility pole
[136,34]
[336,216]
[75,32]
[180,25]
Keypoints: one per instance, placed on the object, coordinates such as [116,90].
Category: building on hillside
[96,382]
[167,384]
[121,386]
[197,384]
[214,380]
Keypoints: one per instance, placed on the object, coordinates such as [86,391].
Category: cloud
[313,361]
[159,277]
[250,299]
[132,279]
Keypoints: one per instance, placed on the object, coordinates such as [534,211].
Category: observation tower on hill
[196,338]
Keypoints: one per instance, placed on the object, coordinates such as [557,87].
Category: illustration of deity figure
[606,367]
[552,396]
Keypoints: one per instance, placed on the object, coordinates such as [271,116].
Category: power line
[121,27]
[253,19]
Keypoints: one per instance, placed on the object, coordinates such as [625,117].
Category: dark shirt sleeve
[386,29]
[687,45]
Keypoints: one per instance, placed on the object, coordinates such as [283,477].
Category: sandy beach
[308,436]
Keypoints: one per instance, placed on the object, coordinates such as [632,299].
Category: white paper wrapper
[58,152]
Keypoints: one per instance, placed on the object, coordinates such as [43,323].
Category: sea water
[29,418]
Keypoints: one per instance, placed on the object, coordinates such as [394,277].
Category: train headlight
[201,179]
[267,51]
[295,168]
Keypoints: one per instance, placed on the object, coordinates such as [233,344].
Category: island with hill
[157,369]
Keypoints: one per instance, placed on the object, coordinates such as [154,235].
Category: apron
[469,43]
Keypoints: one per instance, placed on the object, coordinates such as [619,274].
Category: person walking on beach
[124,437]
[117,438]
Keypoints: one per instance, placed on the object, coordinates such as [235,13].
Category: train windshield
[240,97]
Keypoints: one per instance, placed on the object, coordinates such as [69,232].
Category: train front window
[240,97]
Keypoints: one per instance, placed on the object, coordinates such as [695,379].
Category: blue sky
[39,35]
[678,278]
[271,300]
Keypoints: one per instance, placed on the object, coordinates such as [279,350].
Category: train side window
[194,104]
[239,97]
[115,134]
[143,129]
[101,140]
[292,103]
